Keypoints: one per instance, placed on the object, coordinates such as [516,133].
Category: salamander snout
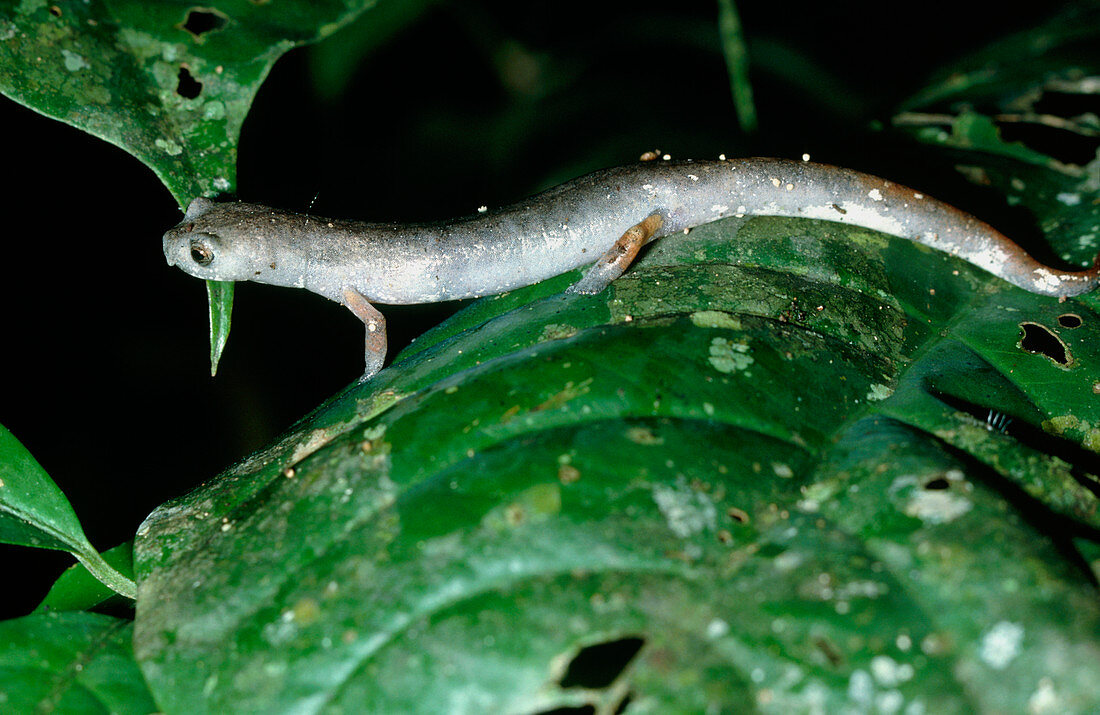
[168,254]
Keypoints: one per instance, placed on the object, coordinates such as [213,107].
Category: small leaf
[34,512]
[737,63]
[219,296]
[70,663]
[78,590]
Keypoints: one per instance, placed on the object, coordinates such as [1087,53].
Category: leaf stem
[106,574]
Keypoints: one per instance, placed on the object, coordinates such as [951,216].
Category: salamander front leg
[375,324]
[618,258]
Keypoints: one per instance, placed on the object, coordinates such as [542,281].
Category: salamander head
[223,242]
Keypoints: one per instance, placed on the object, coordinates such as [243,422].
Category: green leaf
[34,512]
[219,295]
[78,590]
[737,64]
[1058,54]
[1010,117]
[70,663]
[761,452]
[170,82]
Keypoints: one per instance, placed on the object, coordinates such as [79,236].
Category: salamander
[603,219]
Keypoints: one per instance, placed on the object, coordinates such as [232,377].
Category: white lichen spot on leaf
[727,356]
[169,147]
[879,392]
[783,471]
[555,331]
[1045,700]
[715,319]
[686,511]
[213,110]
[644,435]
[73,61]
[1001,644]
[938,501]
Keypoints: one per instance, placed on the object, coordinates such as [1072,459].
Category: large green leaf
[34,512]
[70,663]
[170,82]
[761,456]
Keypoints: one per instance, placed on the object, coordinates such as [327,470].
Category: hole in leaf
[55,10]
[580,710]
[597,666]
[188,86]
[937,484]
[1053,140]
[201,20]
[1070,320]
[1071,99]
[623,704]
[1039,340]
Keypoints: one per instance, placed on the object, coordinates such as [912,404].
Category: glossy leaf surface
[759,463]
[34,512]
[70,663]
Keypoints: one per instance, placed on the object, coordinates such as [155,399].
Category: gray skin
[603,217]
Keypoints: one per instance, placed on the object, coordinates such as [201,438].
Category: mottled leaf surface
[170,81]
[70,663]
[757,469]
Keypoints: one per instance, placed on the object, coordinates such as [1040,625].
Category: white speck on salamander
[1047,279]
[1069,199]
[482,209]
[874,195]
[693,177]
[719,208]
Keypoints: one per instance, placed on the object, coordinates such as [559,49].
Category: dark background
[105,377]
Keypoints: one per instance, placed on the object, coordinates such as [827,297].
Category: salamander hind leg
[375,324]
[618,258]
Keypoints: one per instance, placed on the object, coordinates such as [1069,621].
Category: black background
[105,372]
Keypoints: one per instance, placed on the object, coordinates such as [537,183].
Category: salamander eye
[188,228]
[201,253]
